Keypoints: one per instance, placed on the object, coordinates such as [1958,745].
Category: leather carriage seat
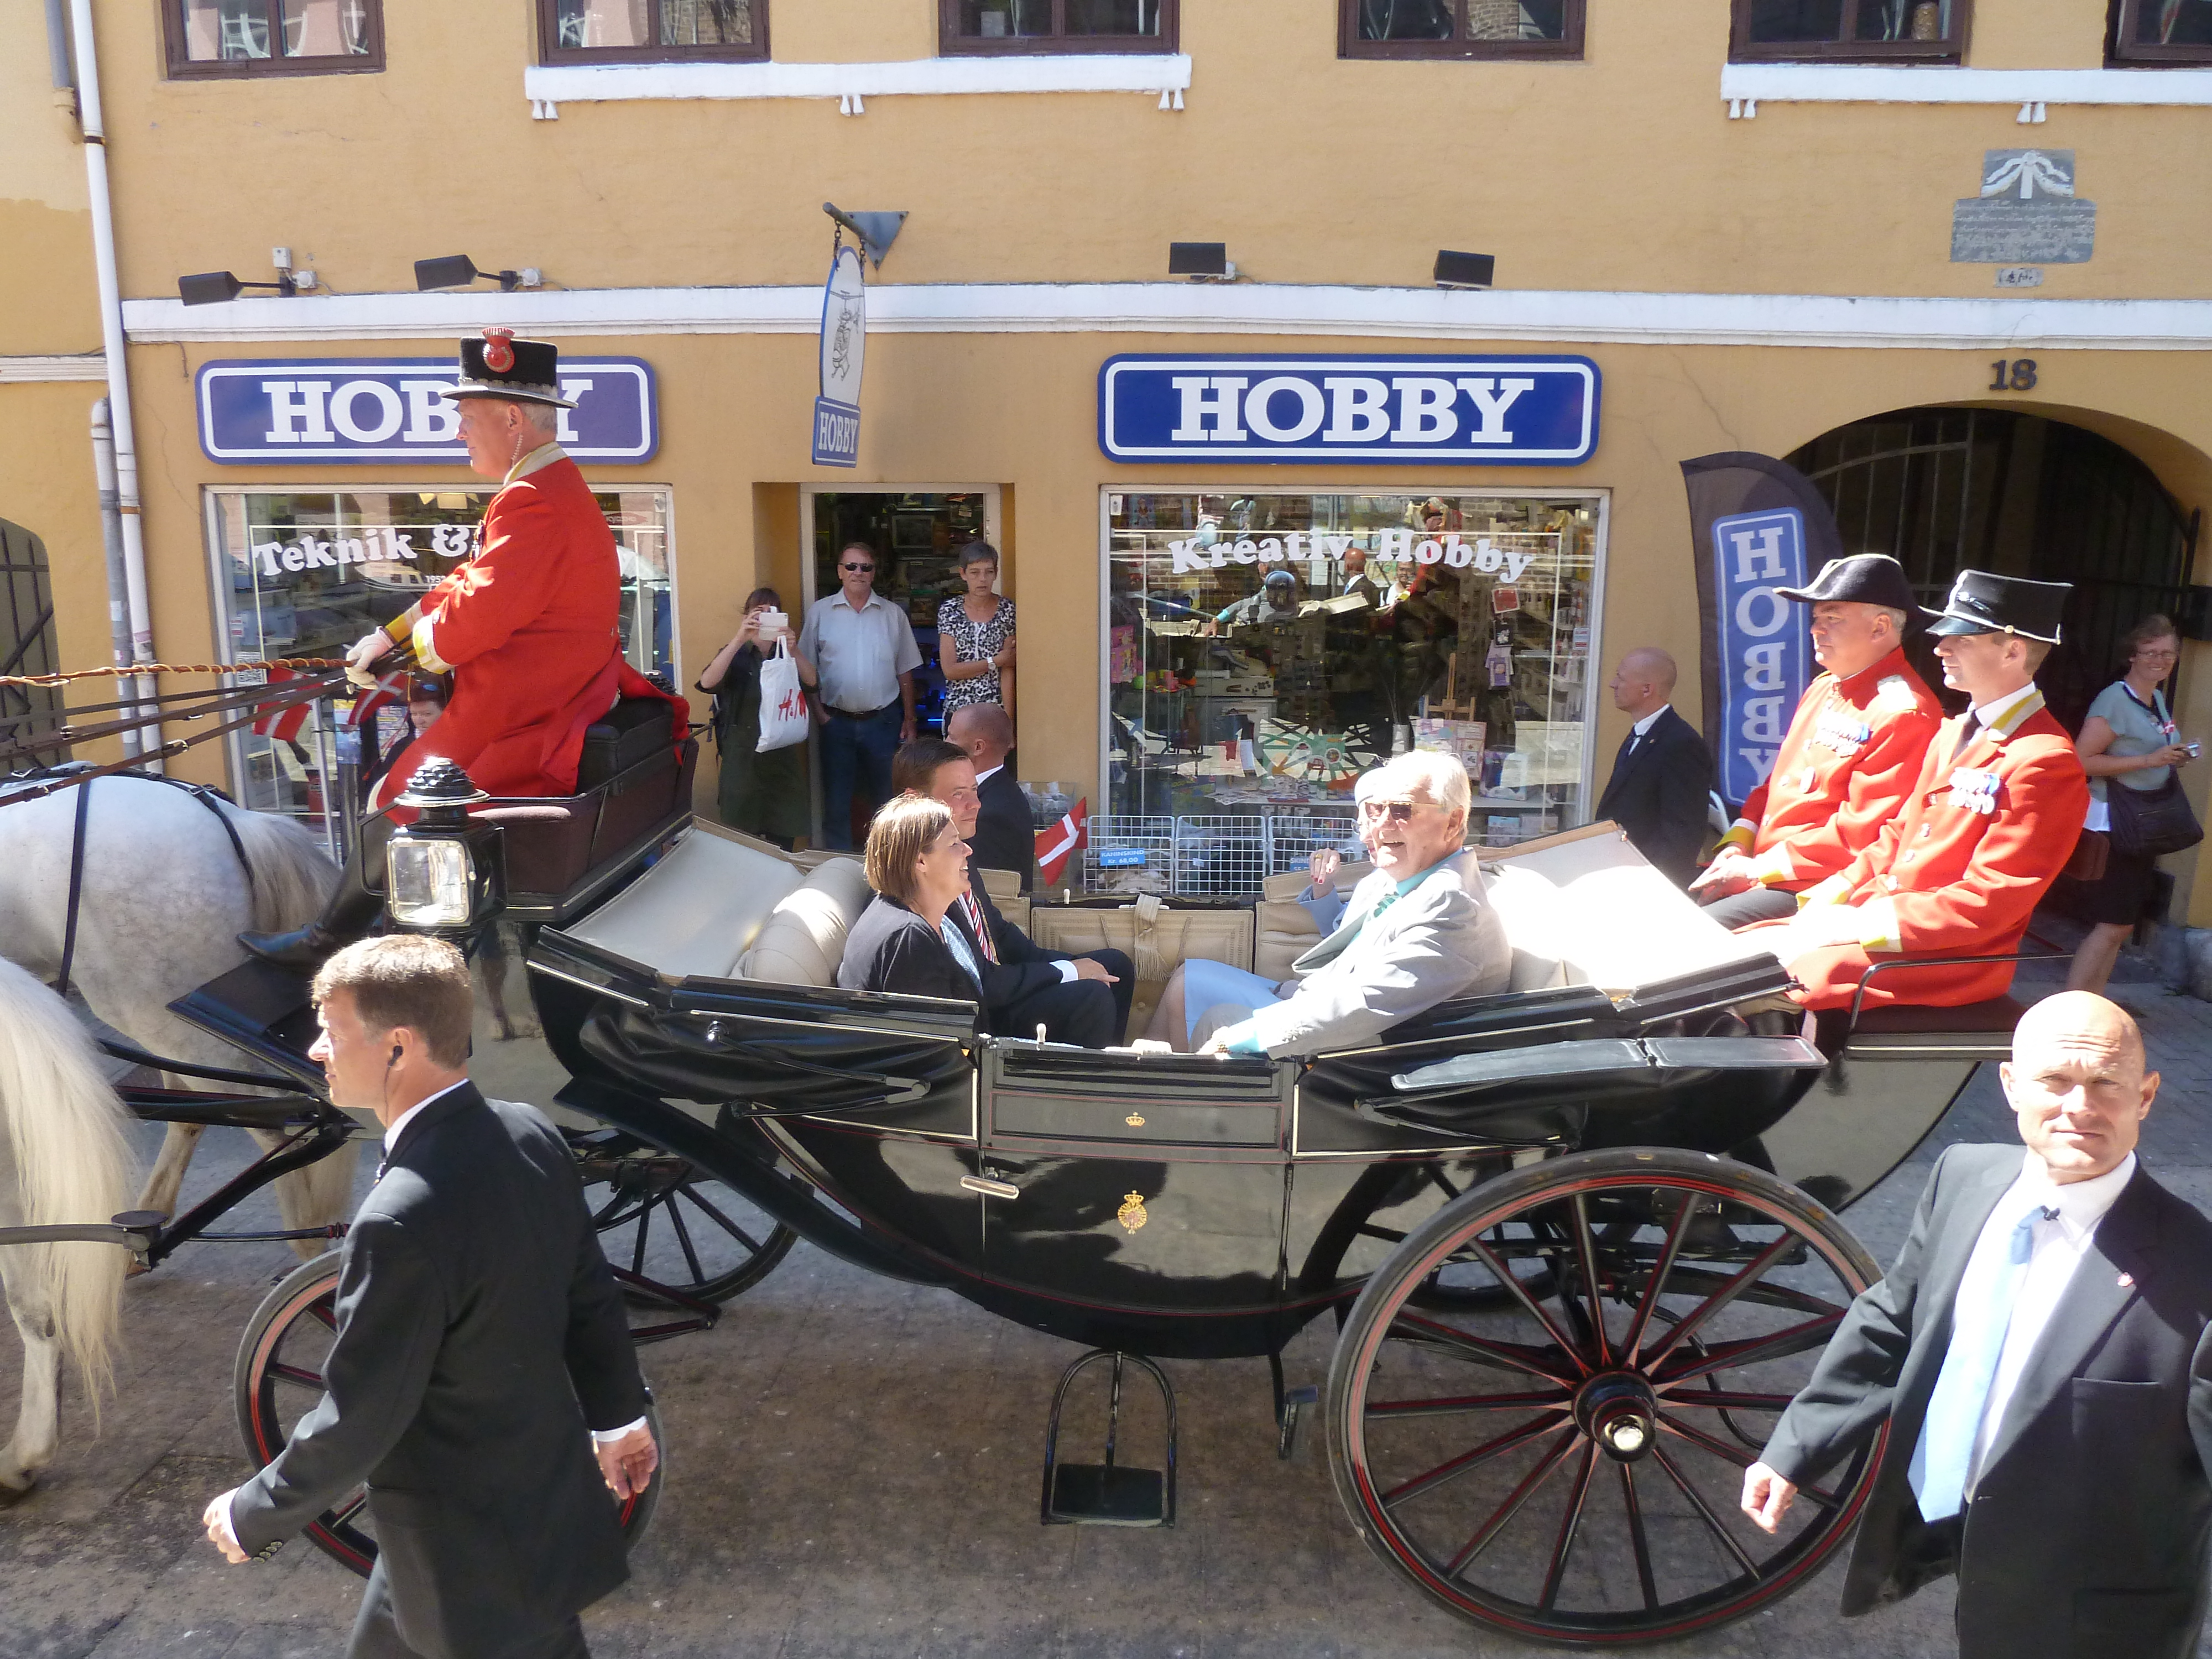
[697,910]
[803,940]
[635,729]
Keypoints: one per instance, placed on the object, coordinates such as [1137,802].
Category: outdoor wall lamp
[210,287]
[1202,262]
[458,270]
[1464,270]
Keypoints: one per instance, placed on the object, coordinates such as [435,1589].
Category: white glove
[363,651]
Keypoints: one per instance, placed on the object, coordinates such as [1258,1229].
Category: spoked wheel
[1559,1452]
[662,1218]
[279,1379]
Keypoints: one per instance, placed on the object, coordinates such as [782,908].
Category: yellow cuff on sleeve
[1740,836]
[1830,891]
[1774,865]
[426,652]
[1878,924]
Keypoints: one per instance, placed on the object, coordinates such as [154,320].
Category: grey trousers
[376,1633]
[1752,904]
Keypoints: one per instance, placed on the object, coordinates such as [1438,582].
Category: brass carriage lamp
[443,873]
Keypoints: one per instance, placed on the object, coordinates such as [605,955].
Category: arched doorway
[1946,490]
[27,640]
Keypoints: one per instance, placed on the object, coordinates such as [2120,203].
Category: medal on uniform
[1975,789]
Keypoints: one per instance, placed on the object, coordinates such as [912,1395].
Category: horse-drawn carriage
[1577,1238]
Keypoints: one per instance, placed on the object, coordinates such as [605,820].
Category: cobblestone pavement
[855,1470]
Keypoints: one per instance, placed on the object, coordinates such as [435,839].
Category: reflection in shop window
[1864,30]
[306,574]
[246,37]
[1263,650]
[650,29]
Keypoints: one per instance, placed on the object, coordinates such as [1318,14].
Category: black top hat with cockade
[1982,602]
[1862,578]
[501,366]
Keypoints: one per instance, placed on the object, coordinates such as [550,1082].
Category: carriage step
[1108,1494]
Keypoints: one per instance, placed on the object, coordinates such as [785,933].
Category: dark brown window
[651,31]
[274,37]
[2153,32]
[1020,26]
[1851,31]
[1460,28]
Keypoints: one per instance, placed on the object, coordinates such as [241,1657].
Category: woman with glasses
[976,633]
[2128,740]
[918,866]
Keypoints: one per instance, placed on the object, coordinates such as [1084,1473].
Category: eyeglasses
[1398,811]
[869,569]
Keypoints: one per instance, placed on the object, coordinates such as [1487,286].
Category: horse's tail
[63,1130]
[292,874]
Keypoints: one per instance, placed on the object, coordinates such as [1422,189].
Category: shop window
[1030,25]
[1461,28]
[274,37]
[1262,651]
[633,31]
[1863,31]
[2154,32]
[305,573]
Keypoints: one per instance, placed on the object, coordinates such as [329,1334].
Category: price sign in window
[307,572]
[1263,650]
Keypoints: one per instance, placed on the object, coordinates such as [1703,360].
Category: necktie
[1969,729]
[1946,1451]
[983,940]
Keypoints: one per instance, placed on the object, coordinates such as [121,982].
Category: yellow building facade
[1752,255]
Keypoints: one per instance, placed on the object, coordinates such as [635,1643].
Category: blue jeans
[855,752]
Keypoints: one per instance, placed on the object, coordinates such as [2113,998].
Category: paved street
[854,1472]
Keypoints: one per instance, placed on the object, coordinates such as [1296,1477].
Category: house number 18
[2017,375]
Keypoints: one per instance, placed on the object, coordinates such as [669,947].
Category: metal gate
[26,633]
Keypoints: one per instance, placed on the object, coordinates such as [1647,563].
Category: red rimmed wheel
[279,1378]
[1558,1455]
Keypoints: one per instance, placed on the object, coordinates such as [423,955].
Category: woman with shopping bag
[764,790]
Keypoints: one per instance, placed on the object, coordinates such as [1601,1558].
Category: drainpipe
[58,44]
[89,115]
[111,533]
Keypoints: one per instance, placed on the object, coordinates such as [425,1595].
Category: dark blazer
[479,1337]
[1004,839]
[1658,794]
[2086,1538]
[1023,967]
[892,949]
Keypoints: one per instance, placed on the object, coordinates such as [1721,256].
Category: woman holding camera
[763,795]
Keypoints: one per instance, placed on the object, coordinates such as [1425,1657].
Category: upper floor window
[1862,31]
[2162,31]
[274,37]
[1461,28]
[1017,26]
[631,31]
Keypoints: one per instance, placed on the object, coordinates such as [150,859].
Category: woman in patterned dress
[976,633]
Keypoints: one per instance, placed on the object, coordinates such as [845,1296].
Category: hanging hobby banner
[1758,526]
[1372,411]
[378,411]
[844,349]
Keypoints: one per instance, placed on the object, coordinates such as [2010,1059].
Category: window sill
[1745,86]
[1164,74]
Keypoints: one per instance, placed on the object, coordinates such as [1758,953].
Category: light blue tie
[1946,1451]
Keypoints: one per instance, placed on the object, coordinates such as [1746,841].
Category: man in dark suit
[481,1380]
[1660,780]
[1003,838]
[2040,1354]
[1080,999]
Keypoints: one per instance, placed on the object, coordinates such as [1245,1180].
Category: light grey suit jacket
[1441,940]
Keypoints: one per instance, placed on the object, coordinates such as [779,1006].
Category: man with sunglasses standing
[857,650]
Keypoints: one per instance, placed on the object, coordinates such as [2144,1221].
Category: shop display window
[307,572]
[273,37]
[1460,28]
[1864,30]
[615,31]
[1262,650]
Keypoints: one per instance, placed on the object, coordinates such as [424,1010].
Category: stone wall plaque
[2026,213]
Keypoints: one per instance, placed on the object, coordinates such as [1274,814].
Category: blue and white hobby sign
[378,410]
[1766,647]
[1376,411]
[844,351]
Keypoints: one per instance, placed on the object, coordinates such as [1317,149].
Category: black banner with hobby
[1756,526]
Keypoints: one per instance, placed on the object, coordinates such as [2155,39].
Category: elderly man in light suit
[2040,1354]
[1415,933]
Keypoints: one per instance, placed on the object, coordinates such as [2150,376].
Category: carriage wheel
[279,1378]
[665,1218]
[1559,1456]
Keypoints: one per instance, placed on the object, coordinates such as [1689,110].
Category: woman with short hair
[976,633]
[763,795]
[918,866]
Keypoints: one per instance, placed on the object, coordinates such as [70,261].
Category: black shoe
[302,951]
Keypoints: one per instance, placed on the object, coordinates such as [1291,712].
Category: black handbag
[2149,824]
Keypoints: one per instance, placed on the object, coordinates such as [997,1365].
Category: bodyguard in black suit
[1003,837]
[1661,779]
[2039,1353]
[482,1381]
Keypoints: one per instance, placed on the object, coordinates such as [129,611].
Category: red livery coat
[1962,881]
[1844,768]
[528,628]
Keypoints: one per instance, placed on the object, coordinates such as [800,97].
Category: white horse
[163,898]
[64,1158]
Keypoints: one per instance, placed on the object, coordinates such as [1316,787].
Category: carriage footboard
[1646,1072]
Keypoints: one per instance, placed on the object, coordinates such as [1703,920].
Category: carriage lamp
[442,873]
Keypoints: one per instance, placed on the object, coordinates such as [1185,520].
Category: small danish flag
[1056,845]
[273,720]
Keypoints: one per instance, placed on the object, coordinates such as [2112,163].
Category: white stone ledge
[1166,74]
[92,366]
[1746,86]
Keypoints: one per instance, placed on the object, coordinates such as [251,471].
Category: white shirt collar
[982,778]
[1990,713]
[399,1124]
[1643,726]
[844,598]
[2081,1204]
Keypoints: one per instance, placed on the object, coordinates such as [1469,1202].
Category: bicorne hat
[1982,602]
[500,366]
[1862,578]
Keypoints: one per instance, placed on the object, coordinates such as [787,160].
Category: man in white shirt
[2040,1353]
[857,650]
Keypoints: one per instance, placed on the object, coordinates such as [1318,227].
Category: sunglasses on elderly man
[1398,811]
[856,567]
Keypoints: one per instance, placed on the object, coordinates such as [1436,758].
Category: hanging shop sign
[844,350]
[367,411]
[1374,411]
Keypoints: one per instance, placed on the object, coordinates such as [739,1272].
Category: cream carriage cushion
[803,941]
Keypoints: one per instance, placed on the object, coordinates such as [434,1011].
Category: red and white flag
[1056,845]
[281,723]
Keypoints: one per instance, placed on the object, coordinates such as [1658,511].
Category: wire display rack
[1129,854]
[1221,856]
[1293,837]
